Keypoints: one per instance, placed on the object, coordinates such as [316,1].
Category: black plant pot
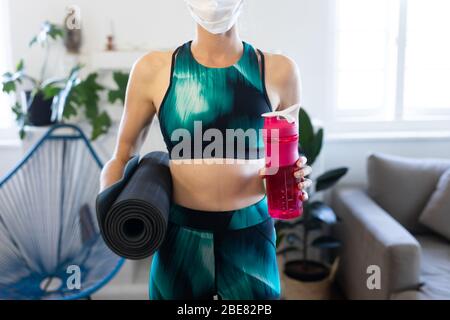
[307,271]
[39,110]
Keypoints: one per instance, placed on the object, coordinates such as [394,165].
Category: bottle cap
[283,121]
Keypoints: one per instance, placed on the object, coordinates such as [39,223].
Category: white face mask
[216,16]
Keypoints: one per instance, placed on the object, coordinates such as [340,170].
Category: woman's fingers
[305,184]
[301,162]
[303,172]
[304,196]
[262,173]
[300,173]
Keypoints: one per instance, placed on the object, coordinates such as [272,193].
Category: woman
[220,240]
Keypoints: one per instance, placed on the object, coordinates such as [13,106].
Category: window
[393,59]
[427,58]
[6,119]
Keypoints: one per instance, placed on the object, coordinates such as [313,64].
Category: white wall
[295,27]
[299,28]
[353,153]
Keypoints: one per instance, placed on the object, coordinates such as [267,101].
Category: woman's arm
[283,84]
[283,81]
[136,119]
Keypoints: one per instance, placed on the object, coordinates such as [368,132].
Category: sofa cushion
[403,186]
[436,214]
[435,268]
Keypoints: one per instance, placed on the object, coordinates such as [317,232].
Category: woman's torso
[215,98]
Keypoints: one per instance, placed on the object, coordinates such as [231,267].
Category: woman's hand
[300,174]
[302,171]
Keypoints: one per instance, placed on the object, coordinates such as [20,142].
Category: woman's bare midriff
[217,186]
[211,187]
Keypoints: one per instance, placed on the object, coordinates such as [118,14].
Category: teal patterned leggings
[229,254]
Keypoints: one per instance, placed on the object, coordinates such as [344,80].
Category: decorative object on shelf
[54,100]
[73,38]
[110,44]
[316,214]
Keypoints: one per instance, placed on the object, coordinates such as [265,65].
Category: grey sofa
[379,226]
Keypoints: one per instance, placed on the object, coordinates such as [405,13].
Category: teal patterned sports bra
[214,112]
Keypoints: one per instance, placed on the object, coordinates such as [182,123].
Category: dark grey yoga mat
[133,213]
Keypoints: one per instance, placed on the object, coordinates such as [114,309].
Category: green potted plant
[55,100]
[83,96]
[316,214]
[38,99]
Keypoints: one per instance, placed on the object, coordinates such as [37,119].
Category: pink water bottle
[281,150]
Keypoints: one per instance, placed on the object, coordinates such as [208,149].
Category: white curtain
[5,62]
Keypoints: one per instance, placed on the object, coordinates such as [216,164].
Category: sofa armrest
[370,236]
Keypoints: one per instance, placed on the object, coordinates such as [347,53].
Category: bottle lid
[290,113]
[283,121]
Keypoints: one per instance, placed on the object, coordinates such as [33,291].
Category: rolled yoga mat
[133,213]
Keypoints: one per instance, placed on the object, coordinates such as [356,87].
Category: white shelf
[113,60]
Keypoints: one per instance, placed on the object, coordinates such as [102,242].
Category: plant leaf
[86,94]
[66,96]
[20,65]
[330,178]
[22,132]
[48,30]
[50,91]
[18,112]
[21,118]
[326,242]
[316,146]
[100,125]
[33,41]
[293,237]
[53,82]
[10,80]
[70,110]
[280,238]
[306,131]
[121,80]
[56,32]
[320,211]
[288,249]
[9,86]
[287,225]
[313,224]
[89,89]
[7,76]
[310,143]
